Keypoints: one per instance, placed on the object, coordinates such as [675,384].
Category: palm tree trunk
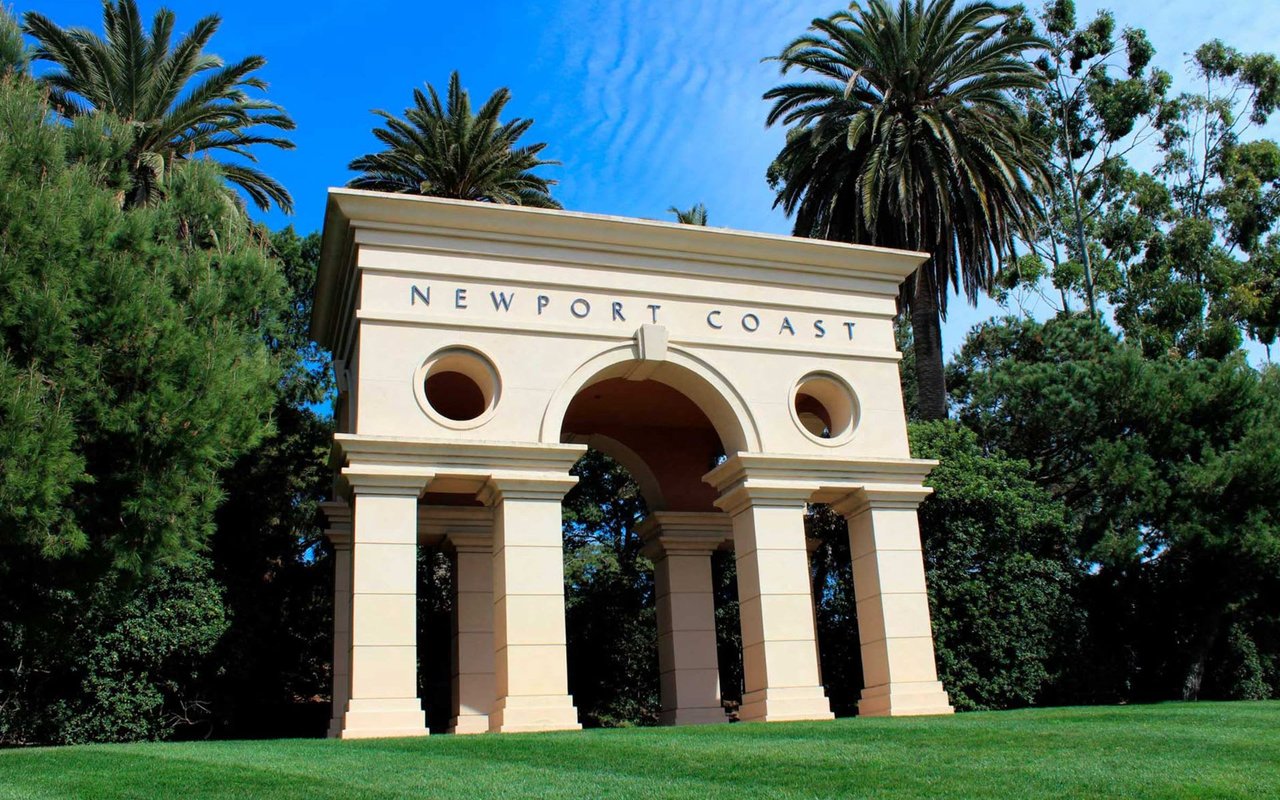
[926,330]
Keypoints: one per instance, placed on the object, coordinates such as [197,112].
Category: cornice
[489,228]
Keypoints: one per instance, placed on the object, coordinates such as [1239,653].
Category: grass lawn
[1172,750]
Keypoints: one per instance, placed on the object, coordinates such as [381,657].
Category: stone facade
[480,349]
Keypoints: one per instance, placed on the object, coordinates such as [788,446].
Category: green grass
[1173,750]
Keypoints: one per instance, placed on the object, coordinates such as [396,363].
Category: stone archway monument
[480,349]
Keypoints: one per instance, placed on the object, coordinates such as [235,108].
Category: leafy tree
[133,370]
[268,549]
[1194,287]
[1170,471]
[694,215]
[139,78]
[1001,574]
[835,607]
[610,616]
[909,135]
[1097,105]
[1001,568]
[446,150]
[1186,254]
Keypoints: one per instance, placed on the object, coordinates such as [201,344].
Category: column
[530,665]
[775,603]
[383,698]
[338,530]
[680,545]
[469,533]
[899,672]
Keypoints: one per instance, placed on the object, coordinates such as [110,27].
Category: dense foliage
[134,370]
[1170,471]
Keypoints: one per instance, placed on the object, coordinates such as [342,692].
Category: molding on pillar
[450,456]
[337,515]
[454,466]
[665,532]
[462,527]
[759,478]
[526,486]
[859,502]
[911,699]
[371,480]
[740,497]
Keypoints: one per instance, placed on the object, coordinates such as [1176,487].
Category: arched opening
[650,444]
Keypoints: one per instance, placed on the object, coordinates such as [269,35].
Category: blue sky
[647,104]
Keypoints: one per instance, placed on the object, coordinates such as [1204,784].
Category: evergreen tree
[133,370]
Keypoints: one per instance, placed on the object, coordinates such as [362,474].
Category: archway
[478,348]
[652,438]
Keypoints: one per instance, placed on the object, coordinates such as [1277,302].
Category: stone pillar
[530,664]
[338,530]
[779,642]
[468,533]
[680,545]
[383,699]
[899,671]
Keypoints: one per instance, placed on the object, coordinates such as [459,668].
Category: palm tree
[444,150]
[136,76]
[908,135]
[697,215]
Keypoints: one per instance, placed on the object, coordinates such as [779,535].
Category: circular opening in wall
[825,407]
[459,385]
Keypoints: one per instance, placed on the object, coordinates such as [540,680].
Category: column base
[783,705]
[534,713]
[917,699]
[377,719]
[693,716]
[469,723]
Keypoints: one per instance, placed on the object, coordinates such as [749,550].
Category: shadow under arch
[682,371]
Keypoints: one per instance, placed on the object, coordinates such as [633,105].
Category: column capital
[740,497]
[827,480]
[856,503]
[464,528]
[372,480]
[691,532]
[526,486]
[337,515]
